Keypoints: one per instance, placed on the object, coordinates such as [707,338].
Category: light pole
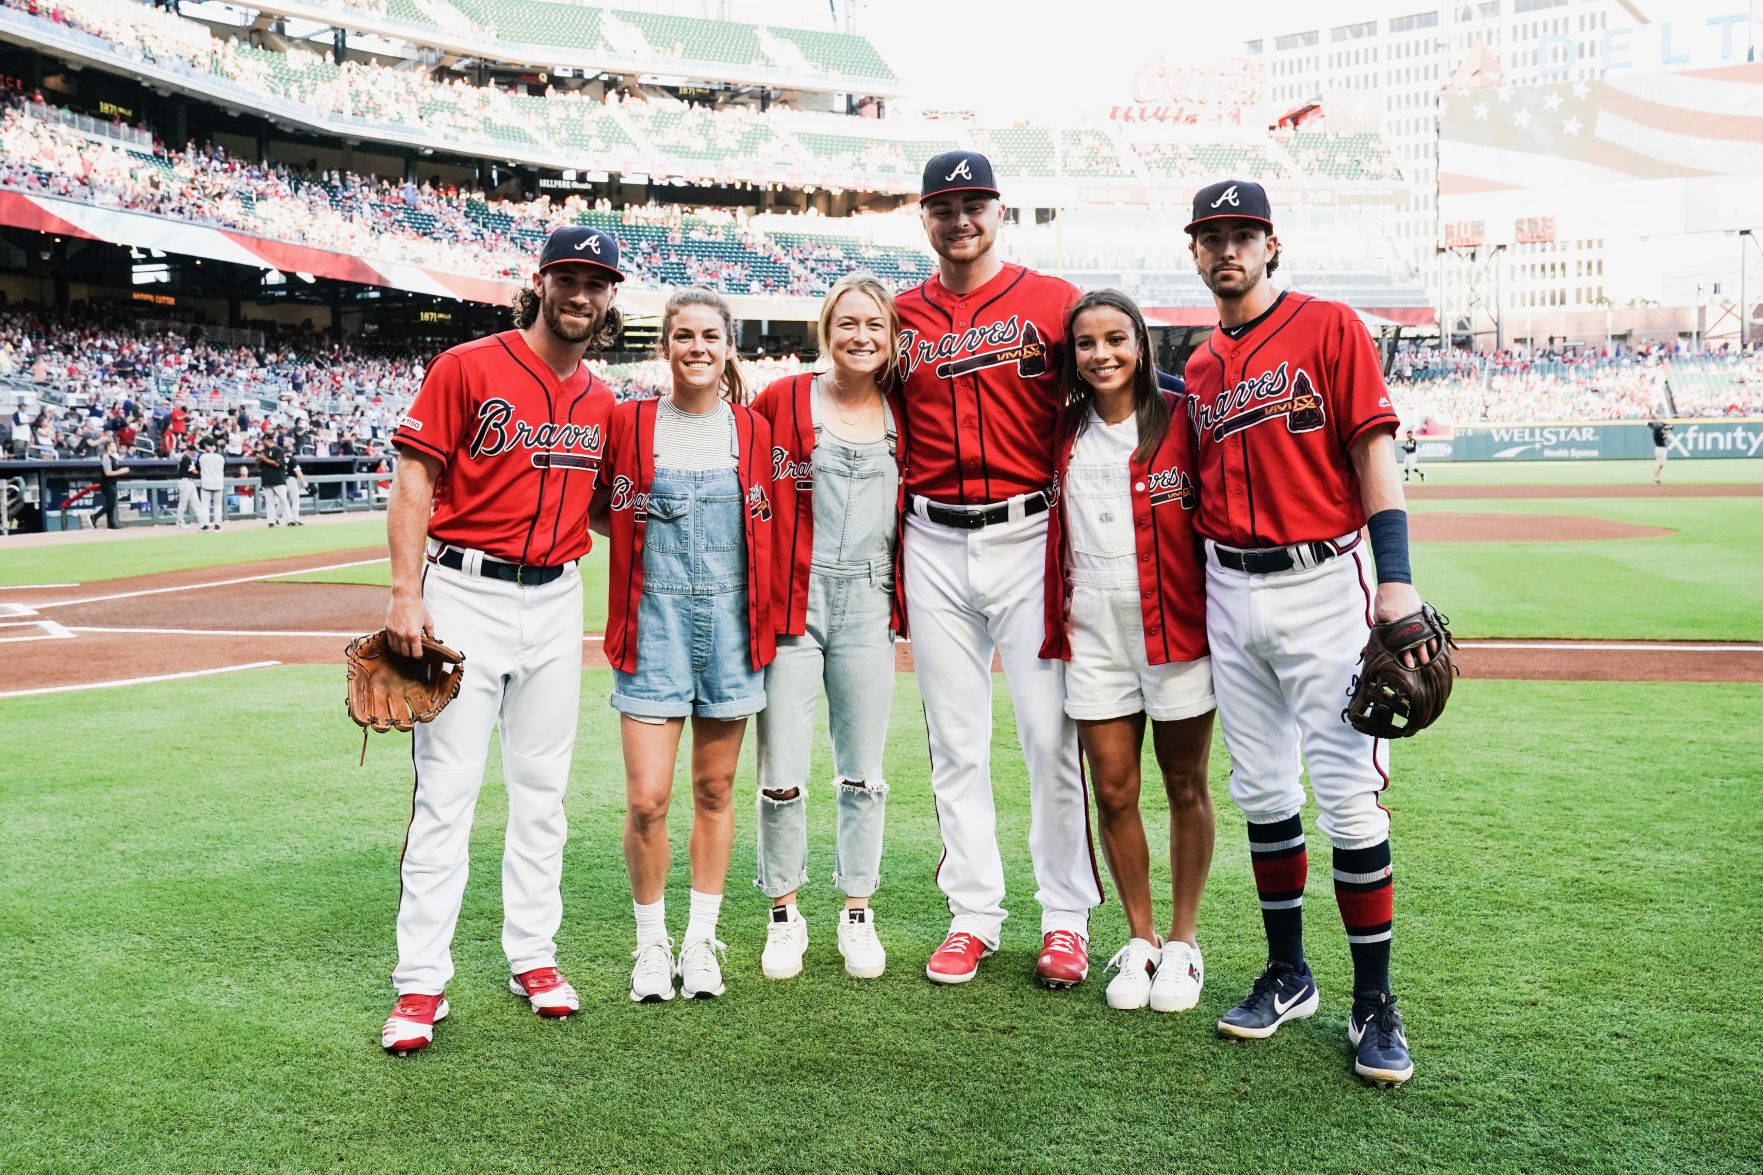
[1744,302]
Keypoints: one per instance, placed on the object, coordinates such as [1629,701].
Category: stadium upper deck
[644,131]
[543,33]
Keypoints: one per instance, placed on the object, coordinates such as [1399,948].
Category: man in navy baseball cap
[957,171]
[584,245]
[1233,200]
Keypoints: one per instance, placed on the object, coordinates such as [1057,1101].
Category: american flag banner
[1689,124]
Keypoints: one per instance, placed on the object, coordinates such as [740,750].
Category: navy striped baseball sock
[1365,891]
[1276,852]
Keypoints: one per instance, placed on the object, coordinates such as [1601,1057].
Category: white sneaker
[1179,978]
[864,957]
[652,977]
[1137,961]
[699,972]
[786,937]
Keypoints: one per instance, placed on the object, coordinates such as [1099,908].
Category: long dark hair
[1149,404]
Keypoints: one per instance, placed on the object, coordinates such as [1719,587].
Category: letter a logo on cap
[1228,197]
[960,172]
[589,243]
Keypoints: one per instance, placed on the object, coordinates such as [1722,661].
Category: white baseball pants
[190,500]
[212,507]
[1285,647]
[523,672]
[281,503]
[968,593]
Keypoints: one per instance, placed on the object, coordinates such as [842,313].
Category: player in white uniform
[503,444]
[978,344]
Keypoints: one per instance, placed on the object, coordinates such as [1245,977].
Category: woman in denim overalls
[688,480]
[834,544]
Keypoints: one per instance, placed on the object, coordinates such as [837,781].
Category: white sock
[702,921]
[651,922]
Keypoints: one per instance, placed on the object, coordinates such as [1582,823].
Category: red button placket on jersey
[969,408]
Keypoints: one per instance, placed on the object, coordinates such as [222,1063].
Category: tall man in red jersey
[489,513]
[977,346]
[1293,434]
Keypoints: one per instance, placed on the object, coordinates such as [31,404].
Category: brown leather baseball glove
[389,691]
[1391,700]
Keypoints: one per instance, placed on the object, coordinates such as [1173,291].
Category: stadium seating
[1351,157]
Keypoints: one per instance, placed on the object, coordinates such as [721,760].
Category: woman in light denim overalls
[689,630]
[837,480]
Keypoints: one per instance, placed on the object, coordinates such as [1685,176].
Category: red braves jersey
[981,385]
[784,403]
[1274,414]
[519,449]
[629,472]
[1172,572]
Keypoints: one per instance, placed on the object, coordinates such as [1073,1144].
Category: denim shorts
[693,648]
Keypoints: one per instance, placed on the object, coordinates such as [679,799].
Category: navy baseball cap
[1232,200]
[957,171]
[579,243]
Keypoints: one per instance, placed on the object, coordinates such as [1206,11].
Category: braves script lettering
[916,351]
[624,499]
[1272,395]
[498,432]
[783,469]
[1171,485]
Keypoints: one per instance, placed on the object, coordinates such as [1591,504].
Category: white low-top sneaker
[862,950]
[1137,963]
[700,973]
[1180,976]
[786,938]
[652,977]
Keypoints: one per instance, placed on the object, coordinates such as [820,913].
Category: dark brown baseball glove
[1391,700]
[389,691]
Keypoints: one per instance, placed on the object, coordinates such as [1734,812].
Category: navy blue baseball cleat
[1375,1031]
[1281,993]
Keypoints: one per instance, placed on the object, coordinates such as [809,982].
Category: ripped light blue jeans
[846,646]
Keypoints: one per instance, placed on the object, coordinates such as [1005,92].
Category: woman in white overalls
[836,477]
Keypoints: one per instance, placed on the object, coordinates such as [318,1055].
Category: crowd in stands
[73,383]
[439,226]
[1434,388]
[652,133]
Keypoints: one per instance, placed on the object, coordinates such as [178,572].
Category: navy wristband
[1389,546]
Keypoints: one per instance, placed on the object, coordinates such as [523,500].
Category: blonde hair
[861,281]
[734,387]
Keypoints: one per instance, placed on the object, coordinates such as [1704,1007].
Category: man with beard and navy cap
[498,458]
[1294,451]
[979,346]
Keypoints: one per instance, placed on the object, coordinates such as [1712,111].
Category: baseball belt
[978,517]
[524,574]
[1271,560]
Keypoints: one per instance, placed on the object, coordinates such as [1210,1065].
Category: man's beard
[569,330]
[1235,286]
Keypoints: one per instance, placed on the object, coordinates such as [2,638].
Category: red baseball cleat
[1064,961]
[411,1026]
[957,960]
[547,991]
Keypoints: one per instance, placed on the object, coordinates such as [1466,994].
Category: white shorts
[1108,677]
[1659,452]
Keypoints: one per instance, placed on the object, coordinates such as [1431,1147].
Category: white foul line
[190,587]
[67,689]
[211,631]
[30,587]
[1609,646]
[51,631]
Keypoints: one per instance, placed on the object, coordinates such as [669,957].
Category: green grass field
[1701,583]
[194,959]
[193,968]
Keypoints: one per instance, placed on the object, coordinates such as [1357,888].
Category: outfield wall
[1595,440]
